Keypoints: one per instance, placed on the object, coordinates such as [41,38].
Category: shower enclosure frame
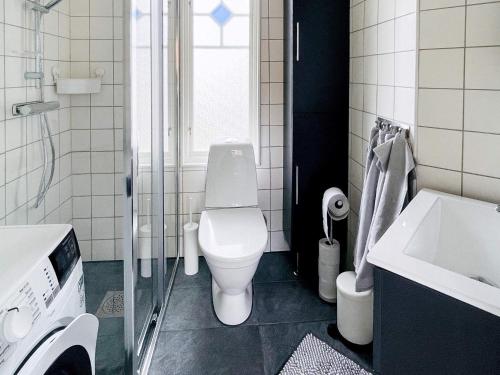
[139,348]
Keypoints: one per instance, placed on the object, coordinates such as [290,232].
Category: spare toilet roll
[336,205]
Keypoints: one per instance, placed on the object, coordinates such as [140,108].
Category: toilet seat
[233,235]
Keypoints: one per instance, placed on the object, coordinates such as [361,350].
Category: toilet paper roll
[329,253]
[328,269]
[335,205]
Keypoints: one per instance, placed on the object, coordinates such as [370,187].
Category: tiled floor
[101,277]
[193,341]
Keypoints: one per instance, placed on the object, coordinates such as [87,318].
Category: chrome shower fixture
[43,8]
[40,107]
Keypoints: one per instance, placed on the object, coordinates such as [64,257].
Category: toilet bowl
[232,233]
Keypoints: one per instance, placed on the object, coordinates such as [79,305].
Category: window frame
[189,156]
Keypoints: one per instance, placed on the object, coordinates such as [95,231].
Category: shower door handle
[129,180]
[297,44]
[296,185]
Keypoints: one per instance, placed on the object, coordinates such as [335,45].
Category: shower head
[52,4]
[43,9]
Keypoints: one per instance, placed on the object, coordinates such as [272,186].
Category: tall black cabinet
[316,121]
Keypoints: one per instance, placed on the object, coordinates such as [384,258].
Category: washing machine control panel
[23,309]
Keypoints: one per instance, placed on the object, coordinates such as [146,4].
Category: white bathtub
[446,243]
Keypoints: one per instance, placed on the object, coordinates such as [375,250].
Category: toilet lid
[233,234]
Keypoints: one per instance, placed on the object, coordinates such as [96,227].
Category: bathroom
[198,187]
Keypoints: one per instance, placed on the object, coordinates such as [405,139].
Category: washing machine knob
[17,323]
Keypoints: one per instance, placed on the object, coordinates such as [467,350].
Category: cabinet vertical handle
[297,35]
[296,185]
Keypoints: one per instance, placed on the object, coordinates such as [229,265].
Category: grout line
[463,106]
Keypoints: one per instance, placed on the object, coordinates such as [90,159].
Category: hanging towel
[394,161]
[368,198]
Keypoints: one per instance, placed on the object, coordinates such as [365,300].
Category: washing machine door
[69,351]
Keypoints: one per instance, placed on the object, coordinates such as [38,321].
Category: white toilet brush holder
[190,244]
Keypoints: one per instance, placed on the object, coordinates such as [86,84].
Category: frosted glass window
[205,31]
[204,6]
[222,95]
[238,6]
[236,32]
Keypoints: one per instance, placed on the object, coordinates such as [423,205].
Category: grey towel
[394,161]
[368,197]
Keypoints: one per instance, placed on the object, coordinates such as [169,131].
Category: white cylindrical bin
[328,269]
[191,248]
[354,310]
[145,250]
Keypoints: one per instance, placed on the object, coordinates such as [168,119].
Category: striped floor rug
[315,357]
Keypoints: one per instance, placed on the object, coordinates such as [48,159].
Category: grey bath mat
[111,305]
[313,356]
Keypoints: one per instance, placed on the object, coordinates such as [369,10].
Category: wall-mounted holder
[78,85]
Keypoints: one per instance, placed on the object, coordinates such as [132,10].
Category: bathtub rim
[389,254]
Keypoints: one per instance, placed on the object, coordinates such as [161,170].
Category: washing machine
[44,329]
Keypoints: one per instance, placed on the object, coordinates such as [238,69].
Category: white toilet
[233,232]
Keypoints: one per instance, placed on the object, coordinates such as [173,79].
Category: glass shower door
[146,142]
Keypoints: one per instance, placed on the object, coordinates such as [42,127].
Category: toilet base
[232,309]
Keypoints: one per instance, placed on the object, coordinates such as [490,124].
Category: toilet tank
[231,176]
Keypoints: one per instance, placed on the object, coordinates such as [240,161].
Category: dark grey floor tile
[227,350]
[192,308]
[101,276]
[286,302]
[110,355]
[275,267]
[93,300]
[200,280]
[110,326]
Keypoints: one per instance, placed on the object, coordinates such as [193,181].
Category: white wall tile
[482,68]
[369,98]
[440,148]
[405,69]
[483,25]
[357,17]
[369,70]
[481,187]
[442,28]
[385,38]
[441,108]
[404,105]
[482,112]
[385,101]
[386,69]
[406,33]
[386,10]
[369,40]
[435,4]
[439,179]
[404,7]
[371,13]
[441,68]
[482,154]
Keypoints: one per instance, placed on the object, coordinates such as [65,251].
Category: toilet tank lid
[231,176]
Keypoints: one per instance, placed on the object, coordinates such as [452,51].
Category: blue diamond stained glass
[221,14]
